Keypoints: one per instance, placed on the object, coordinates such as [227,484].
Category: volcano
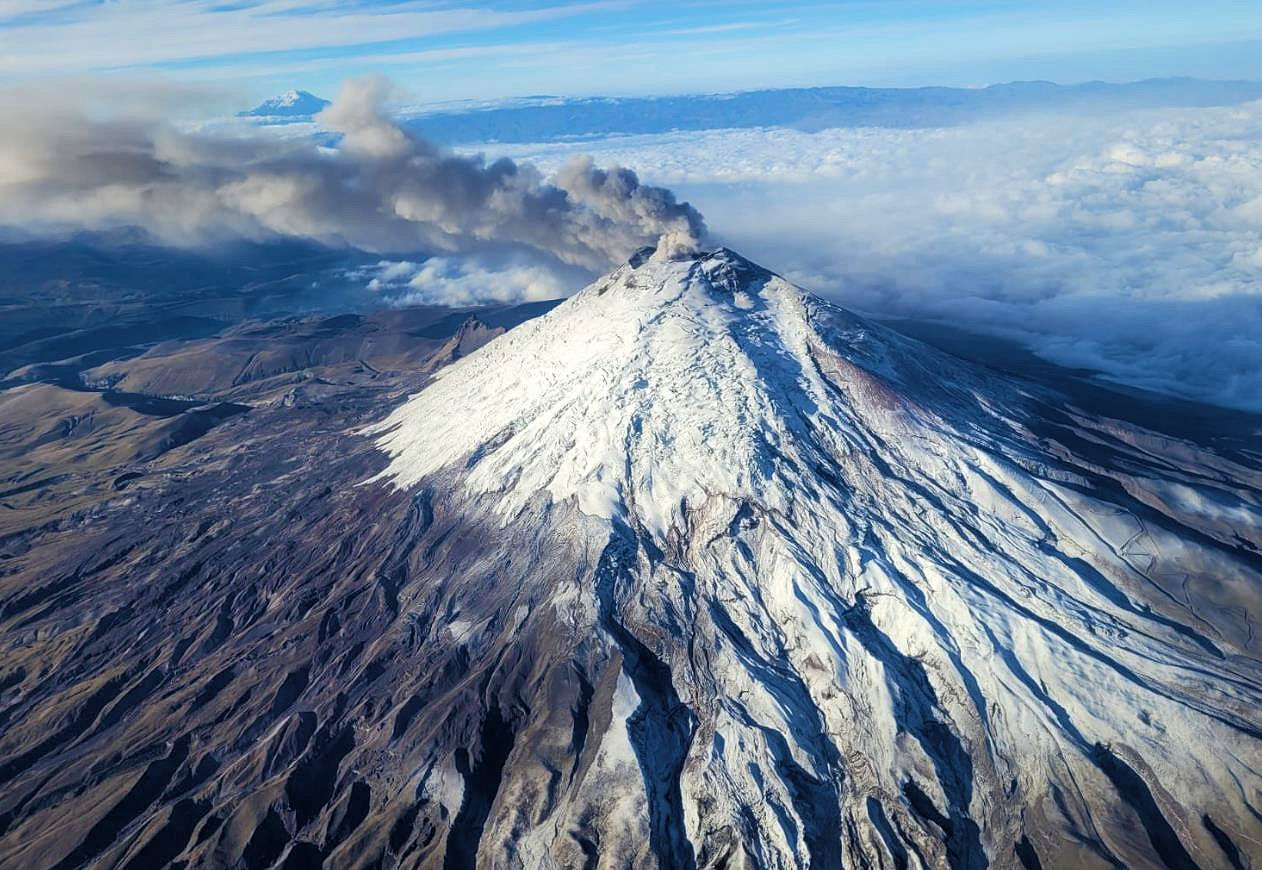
[291,105]
[694,570]
[861,603]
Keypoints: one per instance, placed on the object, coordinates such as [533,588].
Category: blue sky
[452,50]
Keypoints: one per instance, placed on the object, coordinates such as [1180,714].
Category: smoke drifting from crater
[381,189]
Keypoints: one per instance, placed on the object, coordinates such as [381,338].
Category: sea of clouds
[1130,244]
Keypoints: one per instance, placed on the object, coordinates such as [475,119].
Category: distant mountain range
[548,118]
[810,109]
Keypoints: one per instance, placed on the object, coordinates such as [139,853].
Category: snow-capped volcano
[768,585]
[291,105]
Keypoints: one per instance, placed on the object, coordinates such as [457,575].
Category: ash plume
[382,189]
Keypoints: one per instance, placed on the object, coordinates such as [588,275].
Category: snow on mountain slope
[842,600]
[293,104]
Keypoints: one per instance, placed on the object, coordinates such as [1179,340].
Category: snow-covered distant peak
[293,105]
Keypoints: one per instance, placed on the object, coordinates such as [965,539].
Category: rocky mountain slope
[696,570]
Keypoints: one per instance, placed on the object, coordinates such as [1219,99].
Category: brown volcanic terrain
[175,578]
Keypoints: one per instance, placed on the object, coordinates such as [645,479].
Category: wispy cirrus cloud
[17,9]
[486,48]
[48,37]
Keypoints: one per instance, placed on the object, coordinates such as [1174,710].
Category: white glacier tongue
[863,604]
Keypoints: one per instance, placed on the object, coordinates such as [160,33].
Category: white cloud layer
[462,281]
[1130,244]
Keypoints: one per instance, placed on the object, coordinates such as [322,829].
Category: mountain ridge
[809,109]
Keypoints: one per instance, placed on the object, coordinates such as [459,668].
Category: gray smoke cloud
[381,189]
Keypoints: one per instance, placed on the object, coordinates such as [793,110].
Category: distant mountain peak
[292,103]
